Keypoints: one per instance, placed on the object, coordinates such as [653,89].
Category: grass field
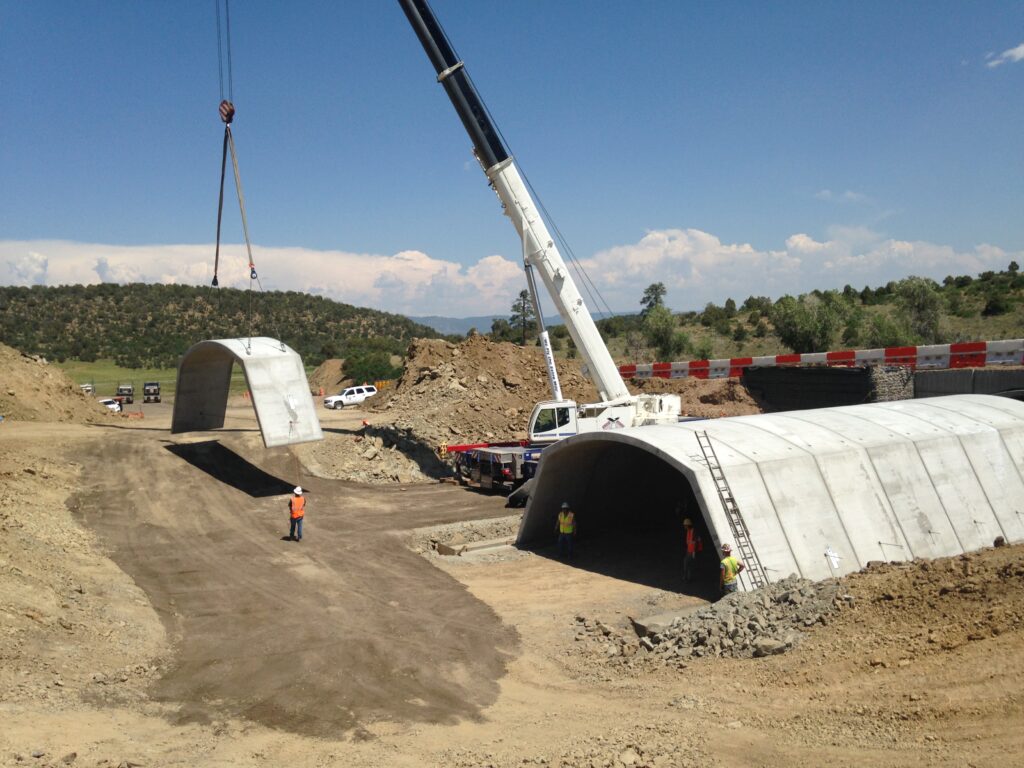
[106,376]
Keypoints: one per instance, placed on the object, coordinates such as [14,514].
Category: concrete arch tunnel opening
[823,492]
[275,379]
[630,505]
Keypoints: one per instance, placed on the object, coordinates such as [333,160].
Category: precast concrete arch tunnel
[883,481]
[275,378]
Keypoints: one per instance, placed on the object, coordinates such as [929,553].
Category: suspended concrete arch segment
[883,481]
[276,380]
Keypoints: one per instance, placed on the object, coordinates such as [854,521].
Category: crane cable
[226,110]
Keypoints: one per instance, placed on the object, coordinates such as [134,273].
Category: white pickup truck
[350,396]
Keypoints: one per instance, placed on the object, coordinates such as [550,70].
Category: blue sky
[725,149]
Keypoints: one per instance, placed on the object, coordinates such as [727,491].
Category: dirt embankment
[480,390]
[329,376]
[33,390]
[74,625]
[707,398]
[475,391]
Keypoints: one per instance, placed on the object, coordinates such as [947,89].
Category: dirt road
[343,629]
[163,621]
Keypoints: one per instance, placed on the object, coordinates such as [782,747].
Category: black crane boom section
[451,73]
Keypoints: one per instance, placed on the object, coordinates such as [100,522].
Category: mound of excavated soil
[330,376]
[478,390]
[371,455]
[704,397]
[33,390]
[890,614]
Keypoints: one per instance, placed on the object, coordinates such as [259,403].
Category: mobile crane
[554,419]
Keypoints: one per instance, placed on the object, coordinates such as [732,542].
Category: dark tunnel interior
[629,512]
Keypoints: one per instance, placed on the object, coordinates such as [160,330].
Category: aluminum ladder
[748,555]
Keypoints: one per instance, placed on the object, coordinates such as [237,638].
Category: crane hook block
[215,283]
[227,112]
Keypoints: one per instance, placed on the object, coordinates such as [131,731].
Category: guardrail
[964,354]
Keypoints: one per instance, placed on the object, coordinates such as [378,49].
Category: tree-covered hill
[141,325]
[911,311]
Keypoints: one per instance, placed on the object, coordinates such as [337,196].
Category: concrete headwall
[965,381]
[790,389]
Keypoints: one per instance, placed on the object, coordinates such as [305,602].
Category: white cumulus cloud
[410,282]
[849,196]
[27,268]
[695,266]
[1009,56]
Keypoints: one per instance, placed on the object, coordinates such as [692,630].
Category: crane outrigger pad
[276,380]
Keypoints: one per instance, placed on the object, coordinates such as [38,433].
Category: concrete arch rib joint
[275,378]
[883,481]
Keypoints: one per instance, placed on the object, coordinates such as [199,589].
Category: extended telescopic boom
[539,248]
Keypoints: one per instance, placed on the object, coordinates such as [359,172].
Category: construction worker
[694,544]
[296,512]
[566,527]
[731,568]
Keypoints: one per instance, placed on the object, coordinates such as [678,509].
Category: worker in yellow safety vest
[296,513]
[566,528]
[731,568]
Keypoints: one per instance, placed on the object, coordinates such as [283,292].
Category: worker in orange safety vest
[694,545]
[296,512]
[566,527]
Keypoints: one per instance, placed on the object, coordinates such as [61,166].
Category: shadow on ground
[231,469]
[651,557]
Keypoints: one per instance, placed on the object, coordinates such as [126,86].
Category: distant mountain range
[460,326]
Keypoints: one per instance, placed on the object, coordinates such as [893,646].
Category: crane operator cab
[553,420]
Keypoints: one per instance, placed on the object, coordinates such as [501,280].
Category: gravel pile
[374,455]
[764,622]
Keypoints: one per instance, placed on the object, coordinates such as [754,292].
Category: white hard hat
[298,490]
[727,547]
[565,505]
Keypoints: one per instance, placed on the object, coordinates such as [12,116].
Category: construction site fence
[965,354]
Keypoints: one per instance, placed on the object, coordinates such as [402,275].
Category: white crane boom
[539,248]
[556,419]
